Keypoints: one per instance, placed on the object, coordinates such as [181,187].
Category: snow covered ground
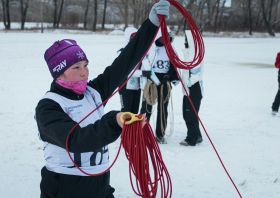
[240,85]
[115,29]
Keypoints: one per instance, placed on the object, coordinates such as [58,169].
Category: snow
[117,32]
[240,85]
[17,25]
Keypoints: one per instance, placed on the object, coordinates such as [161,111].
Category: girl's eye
[76,67]
[86,65]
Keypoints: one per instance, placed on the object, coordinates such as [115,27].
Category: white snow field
[240,85]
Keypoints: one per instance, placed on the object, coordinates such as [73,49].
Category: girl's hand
[118,117]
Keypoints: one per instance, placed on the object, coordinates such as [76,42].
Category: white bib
[161,64]
[56,158]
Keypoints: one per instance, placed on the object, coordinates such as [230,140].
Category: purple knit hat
[63,54]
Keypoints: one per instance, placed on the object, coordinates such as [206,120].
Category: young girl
[164,72]
[69,100]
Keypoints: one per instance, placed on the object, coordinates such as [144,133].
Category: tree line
[209,15]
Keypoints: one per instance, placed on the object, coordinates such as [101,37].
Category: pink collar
[78,87]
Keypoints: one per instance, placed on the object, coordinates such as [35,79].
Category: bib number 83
[160,64]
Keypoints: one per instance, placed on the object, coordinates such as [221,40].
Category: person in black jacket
[276,102]
[193,82]
[165,73]
[70,98]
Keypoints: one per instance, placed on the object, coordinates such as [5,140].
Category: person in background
[130,93]
[276,103]
[164,73]
[70,99]
[193,83]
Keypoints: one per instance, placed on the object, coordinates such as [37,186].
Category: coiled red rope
[141,148]
[147,187]
[198,57]
[197,39]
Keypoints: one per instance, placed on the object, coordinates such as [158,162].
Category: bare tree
[250,17]
[57,16]
[6,14]
[266,19]
[86,13]
[95,16]
[245,12]
[275,15]
[60,13]
[211,10]
[123,7]
[141,9]
[125,15]
[104,14]
[189,8]
[258,16]
[42,28]
[216,17]
[23,12]
[136,13]
[221,15]
[183,21]
[201,19]
[55,13]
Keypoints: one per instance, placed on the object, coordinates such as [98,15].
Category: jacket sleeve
[115,74]
[196,74]
[173,74]
[54,126]
[137,73]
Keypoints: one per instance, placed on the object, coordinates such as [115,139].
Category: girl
[69,100]
[164,72]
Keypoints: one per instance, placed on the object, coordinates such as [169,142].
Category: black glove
[147,74]
[165,79]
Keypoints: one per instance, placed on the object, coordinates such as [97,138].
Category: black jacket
[54,124]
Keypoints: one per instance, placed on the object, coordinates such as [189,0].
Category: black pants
[55,185]
[130,99]
[189,115]
[148,108]
[276,103]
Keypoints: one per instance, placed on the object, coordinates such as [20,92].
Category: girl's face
[75,73]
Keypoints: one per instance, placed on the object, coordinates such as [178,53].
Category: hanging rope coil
[150,93]
[197,39]
[161,105]
[162,111]
[142,150]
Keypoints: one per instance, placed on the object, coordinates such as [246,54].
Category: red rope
[198,57]
[197,39]
[141,148]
